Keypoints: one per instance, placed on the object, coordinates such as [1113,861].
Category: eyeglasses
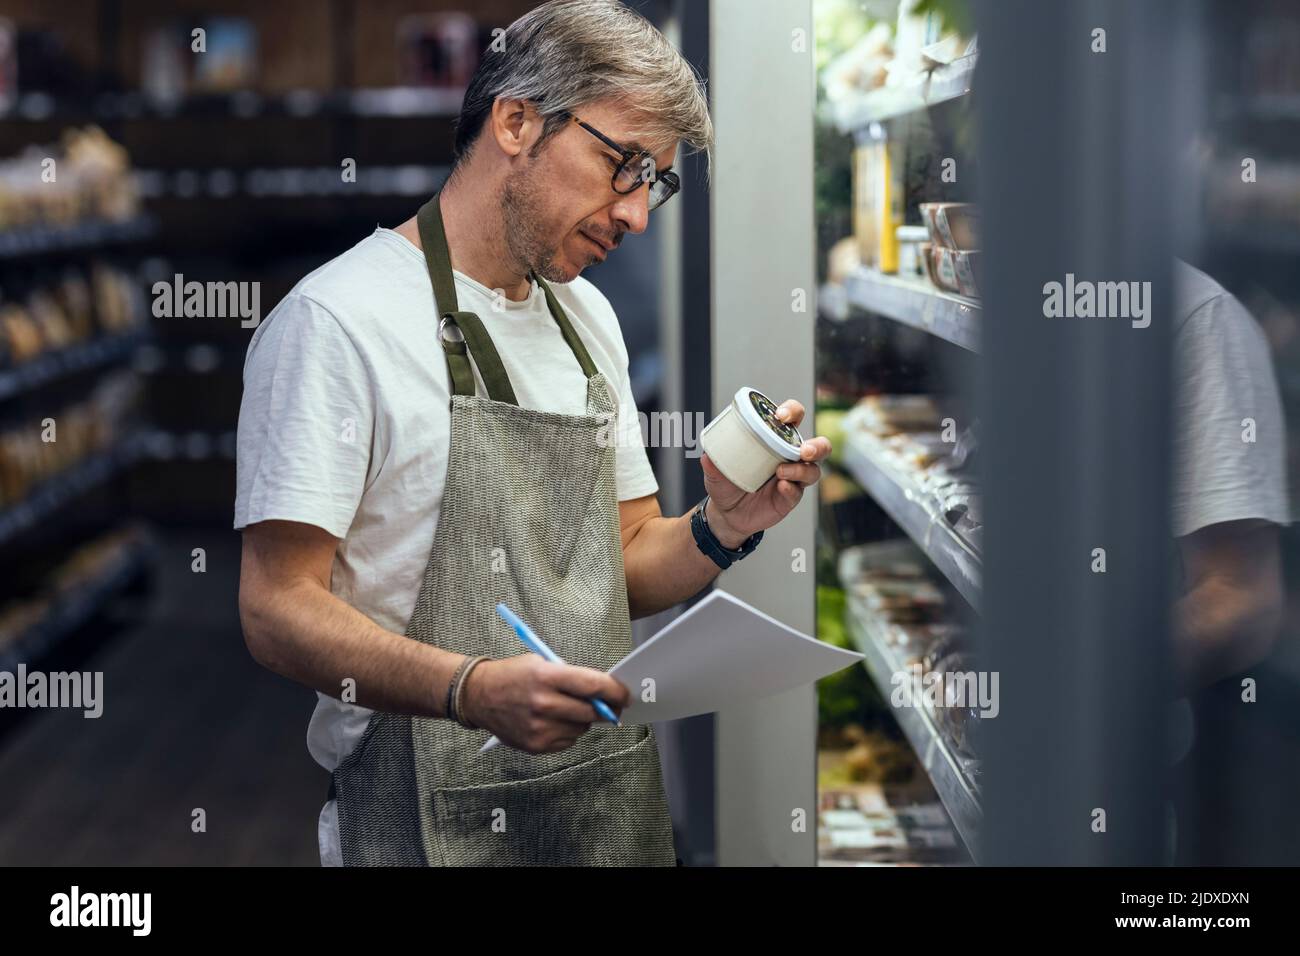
[637,168]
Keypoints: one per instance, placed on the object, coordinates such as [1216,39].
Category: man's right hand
[536,706]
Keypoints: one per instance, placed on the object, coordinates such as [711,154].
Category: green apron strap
[566,328]
[437,258]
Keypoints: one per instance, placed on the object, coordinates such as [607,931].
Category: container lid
[759,413]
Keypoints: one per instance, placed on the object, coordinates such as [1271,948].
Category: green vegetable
[841,697]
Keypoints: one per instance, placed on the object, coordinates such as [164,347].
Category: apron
[529,517]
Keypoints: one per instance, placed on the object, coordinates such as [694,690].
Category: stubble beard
[527,239]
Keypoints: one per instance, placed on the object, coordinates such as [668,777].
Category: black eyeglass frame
[674,183]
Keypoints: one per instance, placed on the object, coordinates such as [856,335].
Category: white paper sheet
[721,652]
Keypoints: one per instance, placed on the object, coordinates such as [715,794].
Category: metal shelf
[941,84]
[59,489]
[68,614]
[94,353]
[290,182]
[904,500]
[36,240]
[955,790]
[389,102]
[915,302]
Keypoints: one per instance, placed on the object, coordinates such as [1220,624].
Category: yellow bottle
[890,210]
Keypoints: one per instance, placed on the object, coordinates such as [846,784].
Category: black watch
[711,546]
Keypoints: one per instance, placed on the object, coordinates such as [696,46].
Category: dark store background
[237,159]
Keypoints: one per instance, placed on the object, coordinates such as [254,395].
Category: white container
[909,250]
[747,441]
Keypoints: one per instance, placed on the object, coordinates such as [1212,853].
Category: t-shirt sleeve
[1230,439]
[306,421]
[636,478]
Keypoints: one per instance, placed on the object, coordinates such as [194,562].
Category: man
[1229,501]
[376,423]
[1230,494]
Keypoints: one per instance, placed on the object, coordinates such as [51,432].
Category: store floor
[189,722]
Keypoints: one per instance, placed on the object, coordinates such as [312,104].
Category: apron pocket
[607,811]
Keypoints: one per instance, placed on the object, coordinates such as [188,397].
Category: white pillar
[761,78]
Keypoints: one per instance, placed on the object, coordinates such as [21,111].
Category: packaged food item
[960,716]
[915,31]
[879,758]
[926,250]
[909,643]
[885,414]
[50,318]
[900,600]
[746,441]
[917,450]
[73,293]
[866,159]
[953,225]
[877,201]
[966,266]
[84,428]
[945,639]
[944,274]
[24,337]
[890,212]
[861,68]
[94,182]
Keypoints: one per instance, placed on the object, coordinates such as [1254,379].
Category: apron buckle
[459,336]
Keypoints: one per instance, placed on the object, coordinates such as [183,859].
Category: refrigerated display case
[955,398]
[891,351]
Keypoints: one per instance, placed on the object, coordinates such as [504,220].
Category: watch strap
[709,544]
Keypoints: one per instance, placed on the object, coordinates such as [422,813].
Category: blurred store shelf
[938,86]
[77,606]
[304,181]
[911,508]
[942,764]
[396,101]
[60,489]
[38,240]
[97,353]
[913,302]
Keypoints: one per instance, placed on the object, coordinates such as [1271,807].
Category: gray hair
[565,54]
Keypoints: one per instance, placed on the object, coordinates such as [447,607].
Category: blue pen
[537,646]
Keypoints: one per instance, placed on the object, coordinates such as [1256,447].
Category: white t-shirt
[1223,375]
[345,424]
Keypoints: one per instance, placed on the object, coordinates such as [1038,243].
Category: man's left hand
[734,514]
